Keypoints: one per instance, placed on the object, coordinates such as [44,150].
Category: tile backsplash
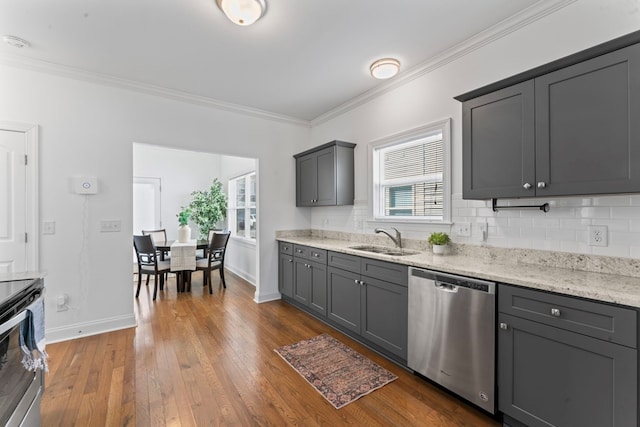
[563,229]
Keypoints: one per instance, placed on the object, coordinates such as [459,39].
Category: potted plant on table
[184,231]
[208,207]
[438,241]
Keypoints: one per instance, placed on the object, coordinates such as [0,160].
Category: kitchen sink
[384,250]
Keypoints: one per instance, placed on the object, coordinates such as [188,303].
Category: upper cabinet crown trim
[598,50]
[328,144]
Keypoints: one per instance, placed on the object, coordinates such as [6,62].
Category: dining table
[183,259]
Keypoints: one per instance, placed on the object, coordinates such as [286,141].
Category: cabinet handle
[356,281]
[286,248]
[555,312]
[504,326]
[526,186]
[361,283]
[317,255]
[290,260]
[542,184]
[299,251]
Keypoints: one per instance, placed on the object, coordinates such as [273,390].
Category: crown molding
[149,89]
[496,32]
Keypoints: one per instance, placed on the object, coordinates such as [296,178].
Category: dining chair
[212,231]
[149,264]
[159,236]
[214,259]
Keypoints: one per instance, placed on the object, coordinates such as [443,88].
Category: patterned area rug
[339,373]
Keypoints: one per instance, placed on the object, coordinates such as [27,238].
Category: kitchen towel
[32,341]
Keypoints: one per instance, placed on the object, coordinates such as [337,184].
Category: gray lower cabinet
[373,307]
[302,275]
[310,284]
[565,361]
[324,175]
[285,275]
[571,131]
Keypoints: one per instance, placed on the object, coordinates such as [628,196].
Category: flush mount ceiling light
[243,12]
[385,68]
[15,41]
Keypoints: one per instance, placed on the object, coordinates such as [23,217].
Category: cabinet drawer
[345,261]
[311,254]
[286,248]
[597,320]
[387,271]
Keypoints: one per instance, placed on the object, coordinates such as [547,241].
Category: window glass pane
[240,192]
[240,227]
[409,177]
[423,199]
[252,223]
[252,189]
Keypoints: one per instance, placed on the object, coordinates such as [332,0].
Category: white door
[146,204]
[13,202]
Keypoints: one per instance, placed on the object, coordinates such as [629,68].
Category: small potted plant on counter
[439,242]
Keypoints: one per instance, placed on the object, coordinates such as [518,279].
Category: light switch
[48,227]
[110,226]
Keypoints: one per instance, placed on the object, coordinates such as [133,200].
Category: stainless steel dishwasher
[451,337]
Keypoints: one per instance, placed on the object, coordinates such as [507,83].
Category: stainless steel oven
[20,390]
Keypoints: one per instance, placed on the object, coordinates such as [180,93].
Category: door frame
[30,131]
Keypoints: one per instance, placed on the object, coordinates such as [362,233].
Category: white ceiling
[301,60]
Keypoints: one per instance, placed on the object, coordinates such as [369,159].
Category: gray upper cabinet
[567,128]
[324,175]
[587,127]
[498,143]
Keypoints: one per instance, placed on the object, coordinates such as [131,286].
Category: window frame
[376,208]
[247,206]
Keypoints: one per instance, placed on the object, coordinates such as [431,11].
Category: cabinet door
[384,317]
[498,144]
[302,281]
[318,297]
[285,275]
[551,377]
[326,177]
[306,180]
[344,305]
[587,127]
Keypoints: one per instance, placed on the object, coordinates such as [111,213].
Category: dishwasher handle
[446,287]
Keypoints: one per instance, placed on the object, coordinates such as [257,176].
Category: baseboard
[242,274]
[81,330]
[267,297]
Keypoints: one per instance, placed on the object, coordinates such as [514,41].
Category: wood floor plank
[197,359]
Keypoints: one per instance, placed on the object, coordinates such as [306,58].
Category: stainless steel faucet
[397,240]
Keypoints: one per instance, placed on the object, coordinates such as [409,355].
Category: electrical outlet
[483,227]
[597,235]
[463,229]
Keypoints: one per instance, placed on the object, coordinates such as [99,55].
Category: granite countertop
[612,288]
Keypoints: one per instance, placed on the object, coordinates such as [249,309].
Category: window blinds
[412,178]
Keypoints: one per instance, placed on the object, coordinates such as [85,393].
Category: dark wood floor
[197,359]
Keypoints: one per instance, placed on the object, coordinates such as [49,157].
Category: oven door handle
[13,322]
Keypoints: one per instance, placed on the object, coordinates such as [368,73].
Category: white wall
[241,252]
[88,129]
[429,98]
[180,172]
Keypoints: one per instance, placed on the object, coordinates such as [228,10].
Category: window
[411,175]
[242,209]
